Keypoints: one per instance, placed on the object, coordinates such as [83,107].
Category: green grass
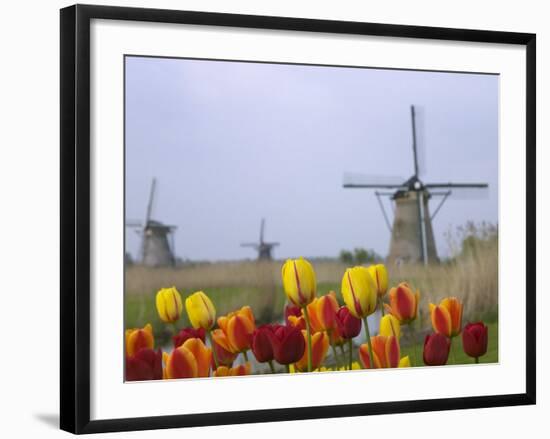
[456,348]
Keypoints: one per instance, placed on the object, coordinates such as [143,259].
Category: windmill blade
[469,193]
[271,244]
[352,180]
[419,139]
[457,185]
[262,226]
[134,224]
[150,203]
[250,244]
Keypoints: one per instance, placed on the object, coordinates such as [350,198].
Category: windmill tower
[263,248]
[412,238]
[157,239]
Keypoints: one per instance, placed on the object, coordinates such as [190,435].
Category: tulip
[190,360]
[403,303]
[169,305]
[139,338]
[385,350]
[146,364]
[299,281]
[241,369]
[349,326]
[389,325]
[447,316]
[405,362]
[297,321]
[379,274]
[187,333]
[288,344]
[359,291]
[222,349]
[200,310]
[319,348]
[475,339]
[322,312]
[436,349]
[239,327]
[292,310]
[261,343]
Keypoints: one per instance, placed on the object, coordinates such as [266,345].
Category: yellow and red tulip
[405,362]
[389,325]
[200,310]
[403,303]
[224,351]
[447,317]
[359,291]
[191,360]
[322,312]
[299,281]
[240,370]
[169,304]
[379,274]
[319,348]
[139,338]
[239,327]
[385,350]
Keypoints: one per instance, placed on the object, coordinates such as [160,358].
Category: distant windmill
[157,239]
[412,238]
[263,248]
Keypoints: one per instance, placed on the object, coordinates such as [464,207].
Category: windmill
[263,248]
[157,239]
[412,238]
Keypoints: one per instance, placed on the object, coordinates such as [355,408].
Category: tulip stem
[369,344]
[477,360]
[245,355]
[335,355]
[453,351]
[413,341]
[214,354]
[308,329]
[381,306]
[350,345]
[270,362]
[287,367]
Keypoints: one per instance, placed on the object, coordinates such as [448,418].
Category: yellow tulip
[405,362]
[379,274]
[169,304]
[200,310]
[389,325]
[359,291]
[299,281]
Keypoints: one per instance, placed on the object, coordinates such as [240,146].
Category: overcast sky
[230,143]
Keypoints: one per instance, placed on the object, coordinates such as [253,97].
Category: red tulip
[146,364]
[474,339]
[261,343]
[436,349]
[348,325]
[288,344]
[187,333]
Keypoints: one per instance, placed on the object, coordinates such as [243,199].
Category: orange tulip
[385,350]
[319,348]
[403,303]
[239,327]
[191,360]
[322,312]
[447,316]
[139,338]
[224,350]
[241,369]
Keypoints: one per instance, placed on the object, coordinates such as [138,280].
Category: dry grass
[471,275]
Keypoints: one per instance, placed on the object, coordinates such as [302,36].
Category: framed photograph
[318,218]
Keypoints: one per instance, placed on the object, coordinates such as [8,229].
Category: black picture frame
[75,217]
